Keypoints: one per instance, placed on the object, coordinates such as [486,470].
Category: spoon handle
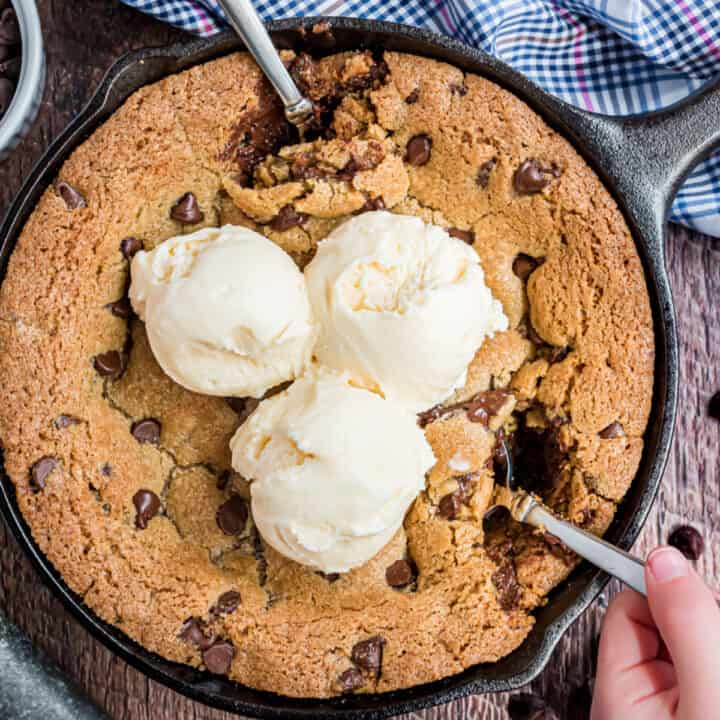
[607,557]
[247,23]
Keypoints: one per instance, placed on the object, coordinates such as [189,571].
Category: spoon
[525,508]
[247,24]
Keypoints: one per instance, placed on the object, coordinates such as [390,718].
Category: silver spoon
[525,508]
[247,24]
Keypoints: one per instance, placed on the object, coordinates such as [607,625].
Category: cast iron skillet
[642,160]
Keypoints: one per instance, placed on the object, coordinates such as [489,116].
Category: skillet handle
[647,157]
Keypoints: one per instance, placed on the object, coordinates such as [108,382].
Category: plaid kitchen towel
[608,56]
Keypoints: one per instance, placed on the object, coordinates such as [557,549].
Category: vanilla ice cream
[226,311]
[402,306]
[334,469]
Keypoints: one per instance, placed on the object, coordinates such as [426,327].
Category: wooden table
[83,38]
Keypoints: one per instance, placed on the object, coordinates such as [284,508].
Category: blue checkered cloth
[610,56]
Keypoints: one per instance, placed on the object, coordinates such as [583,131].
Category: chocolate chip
[72,197]
[120,308]
[613,430]
[524,265]
[449,505]
[495,517]
[65,421]
[147,431]
[40,471]
[129,246]
[483,175]
[526,707]
[192,632]
[147,505]
[106,469]
[530,177]
[372,204]
[7,90]
[419,149]
[506,584]
[399,574]
[227,603]
[459,89]
[467,236]
[413,97]
[486,404]
[429,416]
[9,28]
[219,656]
[367,654]
[351,680]
[186,210]
[478,409]
[109,364]
[288,218]
[714,406]
[688,541]
[232,515]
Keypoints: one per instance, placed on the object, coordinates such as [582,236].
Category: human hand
[659,658]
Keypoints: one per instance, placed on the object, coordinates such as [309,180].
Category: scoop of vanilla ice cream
[226,311]
[334,469]
[402,306]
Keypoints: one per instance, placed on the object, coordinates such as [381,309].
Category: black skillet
[642,161]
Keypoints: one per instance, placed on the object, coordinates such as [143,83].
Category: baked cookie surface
[124,477]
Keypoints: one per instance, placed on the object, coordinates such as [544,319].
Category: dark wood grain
[83,39]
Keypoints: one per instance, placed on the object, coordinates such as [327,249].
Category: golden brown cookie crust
[577,365]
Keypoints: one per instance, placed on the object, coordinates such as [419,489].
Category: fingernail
[667,564]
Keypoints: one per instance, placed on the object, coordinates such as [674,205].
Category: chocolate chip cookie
[124,476]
